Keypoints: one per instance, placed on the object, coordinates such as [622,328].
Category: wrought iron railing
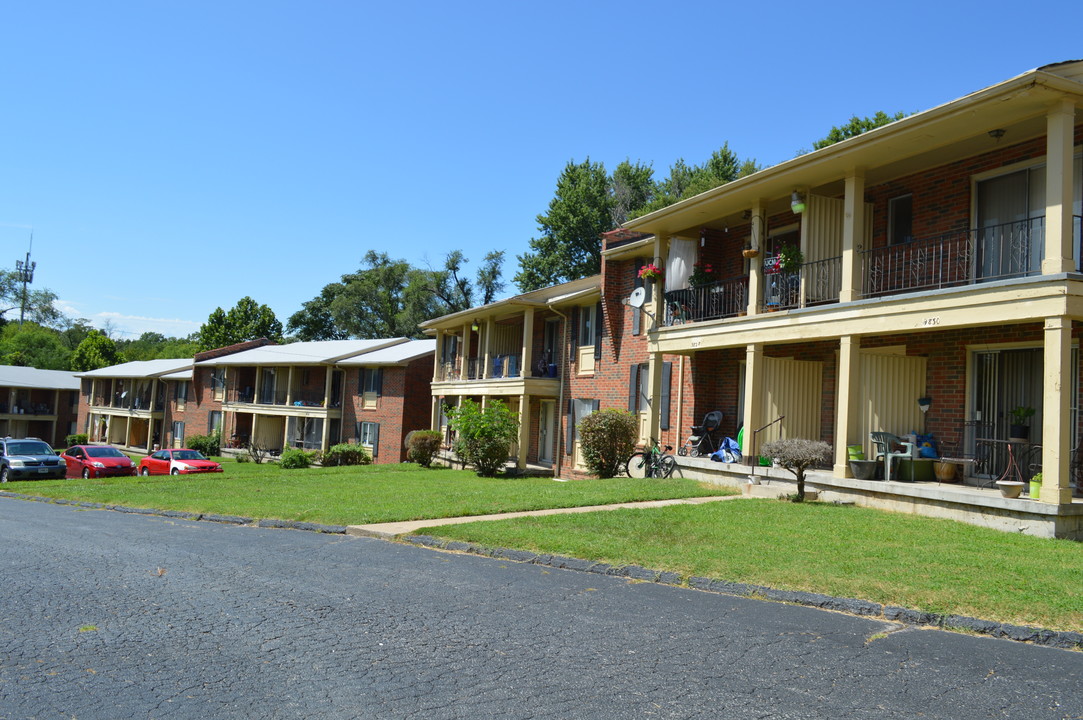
[812,283]
[962,258]
[722,299]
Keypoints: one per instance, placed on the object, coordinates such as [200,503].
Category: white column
[438,357]
[528,342]
[1058,190]
[465,366]
[658,301]
[853,235]
[1056,411]
[524,428]
[654,414]
[846,408]
[487,370]
[753,394]
[758,242]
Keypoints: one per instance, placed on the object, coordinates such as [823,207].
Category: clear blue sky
[172,157]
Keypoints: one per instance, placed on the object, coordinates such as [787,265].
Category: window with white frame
[178,433]
[368,433]
[587,318]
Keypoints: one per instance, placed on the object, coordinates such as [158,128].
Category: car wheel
[145,472]
[86,473]
[3,474]
[174,471]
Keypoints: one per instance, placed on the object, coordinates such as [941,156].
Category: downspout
[680,400]
[559,459]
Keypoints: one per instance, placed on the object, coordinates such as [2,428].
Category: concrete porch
[953,501]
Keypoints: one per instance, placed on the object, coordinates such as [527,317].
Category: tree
[797,455]
[685,180]
[608,438]
[40,304]
[483,437]
[32,345]
[570,243]
[152,346]
[390,298]
[631,187]
[96,351]
[856,126]
[247,320]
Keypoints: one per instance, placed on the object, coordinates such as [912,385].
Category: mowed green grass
[355,495]
[907,560]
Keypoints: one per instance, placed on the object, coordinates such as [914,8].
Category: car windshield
[188,455]
[29,448]
[103,452]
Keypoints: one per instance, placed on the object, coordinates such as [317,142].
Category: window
[586,325]
[368,434]
[900,219]
[178,434]
[304,433]
[371,382]
[180,394]
[214,421]
[218,382]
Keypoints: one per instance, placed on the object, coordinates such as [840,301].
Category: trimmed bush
[207,444]
[77,439]
[483,437]
[424,444]
[608,438]
[295,459]
[798,455]
[345,454]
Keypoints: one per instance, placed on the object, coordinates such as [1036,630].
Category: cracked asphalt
[113,615]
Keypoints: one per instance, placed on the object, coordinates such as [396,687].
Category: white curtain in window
[682,256]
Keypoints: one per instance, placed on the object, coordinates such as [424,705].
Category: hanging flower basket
[750,253]
[650,272]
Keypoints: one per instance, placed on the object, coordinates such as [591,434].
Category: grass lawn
[354,495]
[896,559]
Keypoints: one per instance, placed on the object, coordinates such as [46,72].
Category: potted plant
[1020,428]
[650,272]
[750,252]
[1035,486]
[790,258]
[702,274]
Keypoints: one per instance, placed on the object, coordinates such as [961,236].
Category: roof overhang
[949,132]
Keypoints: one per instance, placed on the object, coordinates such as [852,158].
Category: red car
[177,462]
[94,461]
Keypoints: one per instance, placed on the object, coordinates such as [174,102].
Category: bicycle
[651,463]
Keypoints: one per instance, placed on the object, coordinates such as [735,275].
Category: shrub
[345,454]
[483,437]
[797,455]
[207,444]
[607,438]
[77,439]
[424,444]
[243,458]
[295,459]
[256,453]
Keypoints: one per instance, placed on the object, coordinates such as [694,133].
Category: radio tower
[25,271]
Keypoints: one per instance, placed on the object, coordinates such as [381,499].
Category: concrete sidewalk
[393,529]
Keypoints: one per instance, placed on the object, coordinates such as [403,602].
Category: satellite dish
[638,297]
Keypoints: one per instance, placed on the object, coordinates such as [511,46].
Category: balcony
[722,299]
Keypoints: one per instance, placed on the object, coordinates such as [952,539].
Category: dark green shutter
[633,388]
[569,430]
[375,440]
[598,332]
[379,382]
[573,334]
[663,410]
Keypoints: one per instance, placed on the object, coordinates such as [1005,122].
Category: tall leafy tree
[32,345]
[96,351]
[631,187]
[570,244]
[685,181]
[247,320]
[856,126]
[314,321]
[40,304]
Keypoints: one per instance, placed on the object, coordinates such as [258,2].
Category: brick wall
[404,404]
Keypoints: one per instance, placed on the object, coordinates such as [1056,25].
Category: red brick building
[38,403]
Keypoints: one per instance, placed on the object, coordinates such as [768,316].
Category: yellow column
[1056,411]
[846,408]
[753,394]
[758,242]
[524,428]
[528,342]
[327,412]
[654,413]
[289,386]
[465,364]
[1060,123]
[487,370]
[438,357]
[658,301]
[853,236]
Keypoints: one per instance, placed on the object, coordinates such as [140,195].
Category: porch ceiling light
[924,404]
[474,326]
[797,202]
[997,134]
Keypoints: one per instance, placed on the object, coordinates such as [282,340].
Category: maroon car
[94,461]
[177,462]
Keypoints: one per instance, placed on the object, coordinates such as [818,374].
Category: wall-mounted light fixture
[474,326]
[997,134]
[797,202]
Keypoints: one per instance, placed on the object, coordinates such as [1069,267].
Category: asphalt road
[110,615]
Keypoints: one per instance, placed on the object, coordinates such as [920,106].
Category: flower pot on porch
[945,471]
[1010,488]
[1019,433]
[1035,489]
[864,469]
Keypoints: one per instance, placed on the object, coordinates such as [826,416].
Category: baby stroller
[702,442]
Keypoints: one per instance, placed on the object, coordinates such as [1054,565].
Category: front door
[545,432]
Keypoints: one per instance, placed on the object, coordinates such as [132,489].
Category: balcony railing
[500,366]
[722,299]
[965,257]
[811,283]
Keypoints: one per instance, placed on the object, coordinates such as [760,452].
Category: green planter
[1035,489]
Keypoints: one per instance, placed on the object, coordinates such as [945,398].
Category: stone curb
[208,517]
[1062,639]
